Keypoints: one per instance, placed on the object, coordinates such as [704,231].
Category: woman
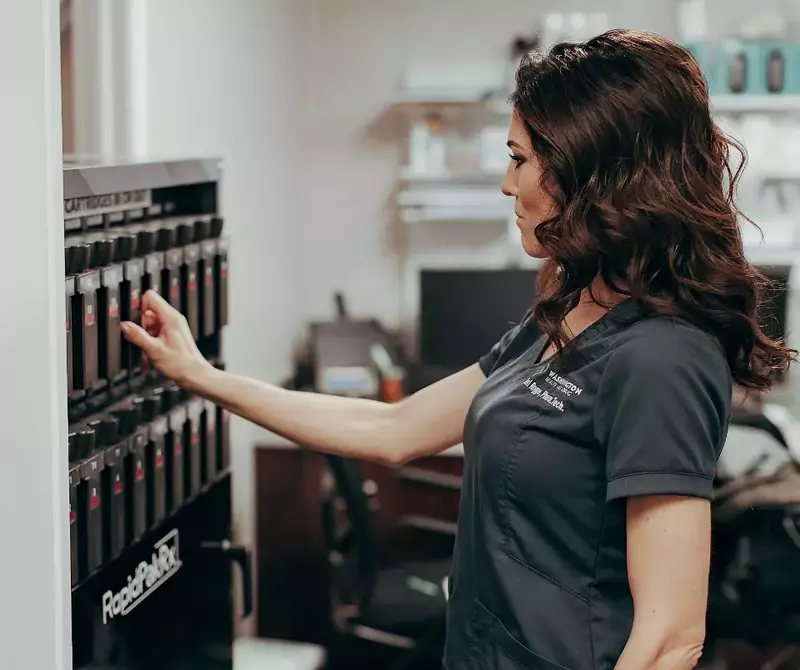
[584,533]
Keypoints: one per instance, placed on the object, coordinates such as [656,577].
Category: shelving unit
[473,196]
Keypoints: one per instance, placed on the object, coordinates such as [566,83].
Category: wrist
[197,376]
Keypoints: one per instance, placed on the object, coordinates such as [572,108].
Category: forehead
[517,132]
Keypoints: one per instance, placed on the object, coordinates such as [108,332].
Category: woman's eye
[517,159]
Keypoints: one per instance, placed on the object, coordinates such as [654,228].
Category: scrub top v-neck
[633,406]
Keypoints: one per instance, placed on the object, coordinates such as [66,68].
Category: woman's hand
[166,340]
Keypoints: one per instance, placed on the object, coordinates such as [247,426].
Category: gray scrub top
[634,405]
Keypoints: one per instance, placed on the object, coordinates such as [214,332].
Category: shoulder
[664,346]
[663,406]
[667,363]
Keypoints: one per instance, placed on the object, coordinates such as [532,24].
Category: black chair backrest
[349,536]
[753,418]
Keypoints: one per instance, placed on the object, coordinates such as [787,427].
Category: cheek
[536,201]
[532,198]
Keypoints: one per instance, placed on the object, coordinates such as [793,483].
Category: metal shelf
[408,176]
[86,176]
[450,98]
[453,214]
[429,524]
[430,478]
[755,103]
[731,103]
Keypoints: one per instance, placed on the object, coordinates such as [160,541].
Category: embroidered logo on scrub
[564,386]
[557,384]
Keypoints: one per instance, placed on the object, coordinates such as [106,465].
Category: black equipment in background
[343,354]
[464,312]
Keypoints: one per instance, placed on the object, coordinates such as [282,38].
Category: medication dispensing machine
[149,480]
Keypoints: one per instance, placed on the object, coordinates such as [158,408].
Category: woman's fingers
[138,336]
[153,302]
[151,323]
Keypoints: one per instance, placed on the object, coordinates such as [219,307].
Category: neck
[601,295]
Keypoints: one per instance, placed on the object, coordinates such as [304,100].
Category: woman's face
[523,182]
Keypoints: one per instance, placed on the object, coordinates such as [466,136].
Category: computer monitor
[464,312]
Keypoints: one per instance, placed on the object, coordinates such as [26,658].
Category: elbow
[678,649]
[395,448]
[393,459]
[684,656]
[396,453]
[682,649]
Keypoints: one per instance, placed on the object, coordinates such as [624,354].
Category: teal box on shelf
[737,69]
[704,56]
[779,63]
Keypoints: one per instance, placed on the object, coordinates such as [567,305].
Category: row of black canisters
[185,262]
[135,465]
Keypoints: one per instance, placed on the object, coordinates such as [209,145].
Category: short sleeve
[662,413]
[489,360]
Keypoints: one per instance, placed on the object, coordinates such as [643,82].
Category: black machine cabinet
[150,490]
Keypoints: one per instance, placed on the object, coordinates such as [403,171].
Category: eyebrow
[512,144]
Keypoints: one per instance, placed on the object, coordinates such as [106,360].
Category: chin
[533,248]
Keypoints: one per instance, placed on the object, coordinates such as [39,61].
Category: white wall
[34,580]
[218,78]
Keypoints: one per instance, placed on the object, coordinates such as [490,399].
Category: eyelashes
[517,159]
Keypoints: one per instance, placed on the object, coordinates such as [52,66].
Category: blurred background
[363,144]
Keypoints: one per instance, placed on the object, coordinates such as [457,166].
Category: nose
[509,186]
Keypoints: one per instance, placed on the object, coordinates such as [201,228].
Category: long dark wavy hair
[644,191]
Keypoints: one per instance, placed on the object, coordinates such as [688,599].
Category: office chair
[754,596]
[755,586]
[401,607]
[755,418]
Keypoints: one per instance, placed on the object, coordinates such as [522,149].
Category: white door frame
[34,581]
[109,55]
